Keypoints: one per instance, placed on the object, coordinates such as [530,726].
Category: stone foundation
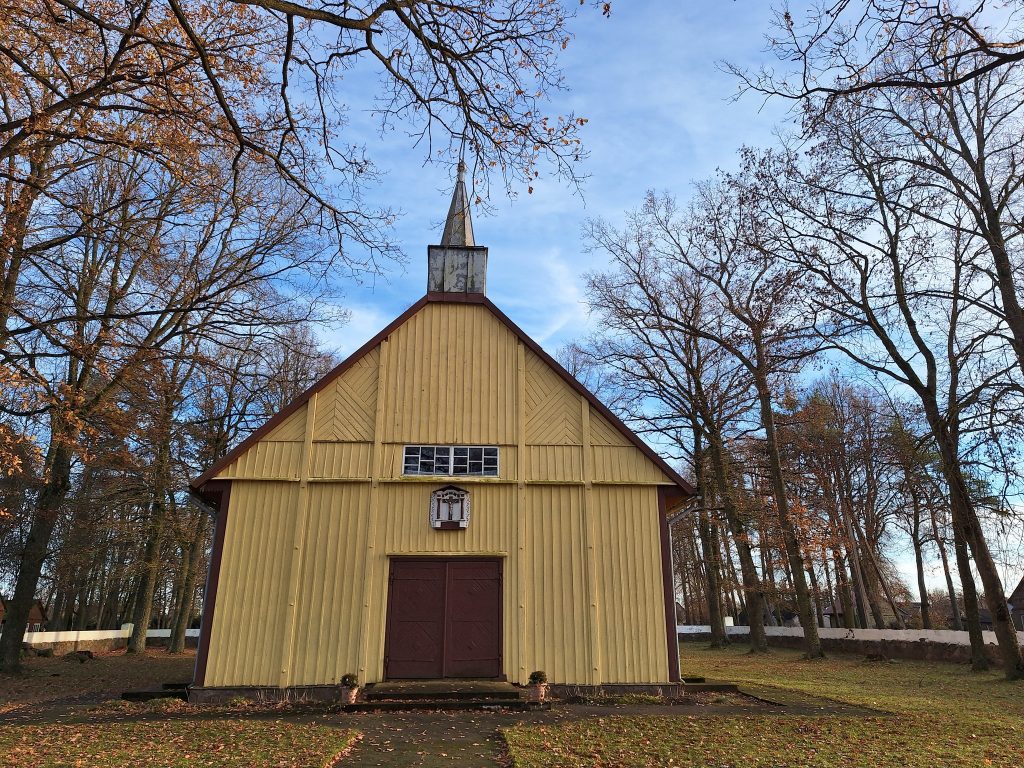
[568,691]
[265,694]
[331,693]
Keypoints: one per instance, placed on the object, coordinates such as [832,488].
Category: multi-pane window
[481,460]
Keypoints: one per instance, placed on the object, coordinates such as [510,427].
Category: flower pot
[537,692]
[348,695]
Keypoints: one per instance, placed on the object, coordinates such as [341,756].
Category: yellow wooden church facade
[328,537]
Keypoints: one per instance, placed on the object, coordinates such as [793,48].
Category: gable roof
[684,489]
[37,613]
[1016,597]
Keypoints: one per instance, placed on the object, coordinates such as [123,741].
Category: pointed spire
[458,228]
[458,264]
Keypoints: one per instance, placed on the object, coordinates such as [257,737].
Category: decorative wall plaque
[449,508]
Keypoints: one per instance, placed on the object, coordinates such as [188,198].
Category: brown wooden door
[473,620]
[444,619]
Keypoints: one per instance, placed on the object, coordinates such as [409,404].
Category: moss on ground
[929,715]
[62,713]
[175,743]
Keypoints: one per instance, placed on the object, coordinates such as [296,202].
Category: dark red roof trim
[217,493]
[302,399]
[671,632]
[672,501]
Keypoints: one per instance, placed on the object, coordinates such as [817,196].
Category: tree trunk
[194,557]
[843,588]
[879,580]
[143,609]
[853,556]
[768,568]
[816,592]
[979,660]
[51,497]
[967,526]
[812,642]
[940,542]
[922,588]
[738,600]
[871,586]
[56,623]
[991,226]
[718,638]
[828,585]
[143,612]
[752,588]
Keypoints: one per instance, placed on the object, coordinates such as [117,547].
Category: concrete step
[421,704]
[370,695]
[442,690]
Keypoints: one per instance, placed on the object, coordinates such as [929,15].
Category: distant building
[37,617]
[834,615]
[1016,601]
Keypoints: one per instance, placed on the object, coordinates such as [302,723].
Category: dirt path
[433,739]
[56,691]
[472,739]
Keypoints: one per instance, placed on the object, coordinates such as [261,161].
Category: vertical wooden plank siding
[442,354]
[629,583]
[519,617]
[317,512]
[556,616]
[555,463]
[213,571]
[592,595]
[370,647]
[298,548]
[247,636]
[327,638]
[267,460]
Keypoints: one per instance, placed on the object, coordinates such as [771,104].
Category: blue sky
[660,117]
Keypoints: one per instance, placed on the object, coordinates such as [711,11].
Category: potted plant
[349,688]
[538,686]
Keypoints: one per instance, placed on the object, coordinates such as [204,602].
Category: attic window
[451,460]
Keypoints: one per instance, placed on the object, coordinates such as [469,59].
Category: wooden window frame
[450,451]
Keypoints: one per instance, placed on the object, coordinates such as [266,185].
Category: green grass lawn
[109,733]
[231,742]
[935,715]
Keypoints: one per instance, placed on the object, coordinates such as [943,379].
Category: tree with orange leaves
[221,103]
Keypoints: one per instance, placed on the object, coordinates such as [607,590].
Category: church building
[448,502]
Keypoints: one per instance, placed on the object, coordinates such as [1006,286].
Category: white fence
[85,635]
[949,636]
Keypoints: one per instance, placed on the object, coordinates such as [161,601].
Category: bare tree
[175,255]
[855,46]
[905,300]
[747,311]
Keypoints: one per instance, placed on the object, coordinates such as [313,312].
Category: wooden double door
[444,618]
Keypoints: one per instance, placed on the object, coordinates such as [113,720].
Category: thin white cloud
[363,323]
